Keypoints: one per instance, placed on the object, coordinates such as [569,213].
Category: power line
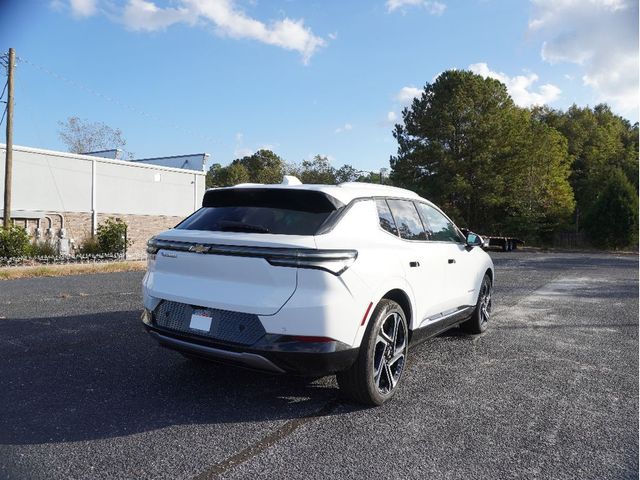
[109,99]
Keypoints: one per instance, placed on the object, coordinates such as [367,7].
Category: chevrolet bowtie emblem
[199,248]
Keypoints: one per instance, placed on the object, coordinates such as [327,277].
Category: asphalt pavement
[549,392]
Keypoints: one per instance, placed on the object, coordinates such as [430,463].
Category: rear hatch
[219,256]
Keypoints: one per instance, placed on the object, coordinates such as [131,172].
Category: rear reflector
[366,314]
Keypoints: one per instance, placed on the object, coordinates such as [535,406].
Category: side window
[407,219]
[442,230]
[386,219]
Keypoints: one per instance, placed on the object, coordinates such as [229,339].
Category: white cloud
[433,7]
[345,128]
[519,87]
[601,36]
[240,152]
[83,8]
[143,15]
[224,15]
[406,95]
[57,5]
[287,33]
[392,117]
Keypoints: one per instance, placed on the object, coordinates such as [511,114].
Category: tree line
[493,166]
[264,166]
[505,169]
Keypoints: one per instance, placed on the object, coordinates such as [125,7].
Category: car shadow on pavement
[99,376]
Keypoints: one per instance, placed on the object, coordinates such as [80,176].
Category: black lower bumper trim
[249,359]
[297,358]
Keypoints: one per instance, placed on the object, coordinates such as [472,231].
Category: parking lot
[550,391]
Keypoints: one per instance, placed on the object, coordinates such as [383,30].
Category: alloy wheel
[389,353]
[485,303]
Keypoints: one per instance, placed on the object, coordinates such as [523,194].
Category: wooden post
[8,162]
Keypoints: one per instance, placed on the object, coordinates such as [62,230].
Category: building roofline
[169,157]
[92,158]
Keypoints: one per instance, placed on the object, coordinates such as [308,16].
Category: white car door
[423,266]
[459,274]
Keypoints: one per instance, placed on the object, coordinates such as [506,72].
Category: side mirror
[473,240]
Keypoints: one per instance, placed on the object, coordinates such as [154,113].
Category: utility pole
[8,161]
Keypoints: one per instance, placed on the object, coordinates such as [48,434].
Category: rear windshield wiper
[231,226]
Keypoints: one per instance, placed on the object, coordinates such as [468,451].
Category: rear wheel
[374,377]
[479,320]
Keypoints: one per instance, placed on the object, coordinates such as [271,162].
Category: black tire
[479,320]
[375,375]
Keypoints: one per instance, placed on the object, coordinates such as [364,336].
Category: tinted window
[255,210]
[442,230]
[386,219]
[407,219]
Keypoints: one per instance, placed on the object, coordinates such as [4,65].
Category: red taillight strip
[366,314]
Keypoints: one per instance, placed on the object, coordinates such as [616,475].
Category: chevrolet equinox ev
[315,280]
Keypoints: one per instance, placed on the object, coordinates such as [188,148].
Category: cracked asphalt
[549,392]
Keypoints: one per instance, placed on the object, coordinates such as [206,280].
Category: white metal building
[76,192]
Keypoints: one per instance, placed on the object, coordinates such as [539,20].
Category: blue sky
[300,77]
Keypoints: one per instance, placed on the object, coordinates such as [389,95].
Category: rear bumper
[272,353]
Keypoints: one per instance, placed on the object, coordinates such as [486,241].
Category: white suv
[315,280]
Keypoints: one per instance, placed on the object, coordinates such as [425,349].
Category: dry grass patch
[11,273]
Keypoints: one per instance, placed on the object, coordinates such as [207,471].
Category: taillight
[332,261]
[152,246]
[152,250]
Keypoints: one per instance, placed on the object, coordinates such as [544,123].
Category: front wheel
[374,377]
[479,320]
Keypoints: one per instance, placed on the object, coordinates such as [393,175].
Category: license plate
[200,321]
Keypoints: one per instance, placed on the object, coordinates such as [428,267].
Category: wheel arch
[489,272]
[401,298]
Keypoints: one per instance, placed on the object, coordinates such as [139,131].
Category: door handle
[414,264]
[452,260]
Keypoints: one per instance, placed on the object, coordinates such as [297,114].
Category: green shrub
[90,246]
[613,219]
[14,241]
[43,249]
[111,236]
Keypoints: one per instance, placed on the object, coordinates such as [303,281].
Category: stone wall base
[78,227]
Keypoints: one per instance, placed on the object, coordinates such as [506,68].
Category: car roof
[345,192]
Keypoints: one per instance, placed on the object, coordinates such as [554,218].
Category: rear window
[263,210]
[385,218]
